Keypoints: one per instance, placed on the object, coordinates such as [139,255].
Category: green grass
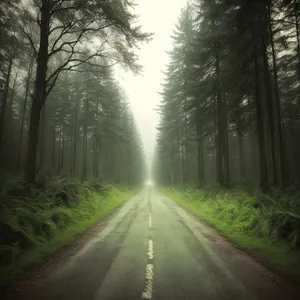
[249,221]
[37,224]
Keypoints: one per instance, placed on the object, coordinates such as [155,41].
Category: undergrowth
[268,226]
[36,220]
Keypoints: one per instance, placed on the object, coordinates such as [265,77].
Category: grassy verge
[266,230]
[35,226]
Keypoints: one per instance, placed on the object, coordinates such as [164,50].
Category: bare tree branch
[66,8]
[48,91]
[76,61]
[31,41]
[65,30]
[70,24]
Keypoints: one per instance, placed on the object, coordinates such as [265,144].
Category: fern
[31,215]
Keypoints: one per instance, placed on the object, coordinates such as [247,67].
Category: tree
[72,33]
[241,86]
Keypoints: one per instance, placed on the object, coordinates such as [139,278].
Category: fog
[158,17]
[79,133]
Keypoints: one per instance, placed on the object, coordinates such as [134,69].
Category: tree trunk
[53,148]
[96,156]
[186,145]
[74,156]
[225,142]
[177,172]
[182,155]
[240,141]
[62,148]
[106,155]
[201,172]
[264,182]
[12,97]
[297,35]
[42,137]
[85,141]
[40,91]
[270,108]
[27,86]
[293,136]
[4,102]
[221,128]
[219,170]
[277,105]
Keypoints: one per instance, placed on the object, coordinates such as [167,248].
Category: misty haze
[149,149]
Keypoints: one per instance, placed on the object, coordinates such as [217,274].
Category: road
[153,249]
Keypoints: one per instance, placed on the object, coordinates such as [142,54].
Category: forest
[67,131]
[227,146]
[230,108]
[60,102]
[230,125]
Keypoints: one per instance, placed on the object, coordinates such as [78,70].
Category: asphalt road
[153,249]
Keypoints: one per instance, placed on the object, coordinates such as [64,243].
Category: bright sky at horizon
[158,17]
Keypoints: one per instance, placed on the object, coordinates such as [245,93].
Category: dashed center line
[150,220]
[147,293]
[150,249]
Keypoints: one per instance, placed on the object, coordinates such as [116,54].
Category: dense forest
[62,110]
[228,140]
[70,151]
[230,99]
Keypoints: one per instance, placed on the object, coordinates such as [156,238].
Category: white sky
[159,17]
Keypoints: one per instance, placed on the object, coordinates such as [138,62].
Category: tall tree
[67,32]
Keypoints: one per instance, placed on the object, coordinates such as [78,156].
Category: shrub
[31,215]
[275,216]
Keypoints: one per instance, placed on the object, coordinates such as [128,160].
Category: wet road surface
[151,248]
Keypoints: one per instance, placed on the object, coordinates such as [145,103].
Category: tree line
[230,99]
[62,110]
